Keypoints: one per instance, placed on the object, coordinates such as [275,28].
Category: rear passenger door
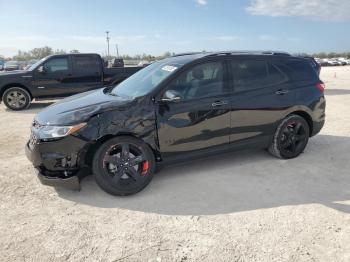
[87,72]
[260,97]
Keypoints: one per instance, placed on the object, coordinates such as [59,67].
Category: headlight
[49,132]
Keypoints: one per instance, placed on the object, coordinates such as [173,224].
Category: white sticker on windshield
[169,68]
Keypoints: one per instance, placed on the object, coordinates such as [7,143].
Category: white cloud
[202,2]
[9,45]
[184,42]
[98,40]
[294,39]
[29,38]
[267,38]
[331,10]
[88,39]
[227,38]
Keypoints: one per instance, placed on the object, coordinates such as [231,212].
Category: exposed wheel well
[306,116]
[14,85]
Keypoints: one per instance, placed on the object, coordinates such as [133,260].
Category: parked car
[2,63]
[11,66]
[59,76]
[324,62]
[176,109]
[117,62]
[332,62]
[342,62]
[145,63]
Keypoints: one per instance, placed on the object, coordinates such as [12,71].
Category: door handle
[281,92]
[219,103]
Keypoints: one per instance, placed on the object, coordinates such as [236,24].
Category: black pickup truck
[59,76]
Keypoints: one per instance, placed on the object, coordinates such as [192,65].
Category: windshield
[145,80]
[33,66]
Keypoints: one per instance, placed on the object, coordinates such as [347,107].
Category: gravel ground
[243,206]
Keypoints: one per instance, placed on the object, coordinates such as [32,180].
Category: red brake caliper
[145,168]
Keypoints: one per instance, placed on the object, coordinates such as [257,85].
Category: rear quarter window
[298,69]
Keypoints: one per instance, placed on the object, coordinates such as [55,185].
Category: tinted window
[275,76]
[56,65]
[253,74]
[200,81]
[298,69]
[86,64]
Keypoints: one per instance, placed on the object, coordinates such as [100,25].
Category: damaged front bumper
[57,162]
[72,182]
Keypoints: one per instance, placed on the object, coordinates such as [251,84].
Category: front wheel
[290,138]
[123,165]
[16,98]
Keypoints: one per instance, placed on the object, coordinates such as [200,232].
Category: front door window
[204,80]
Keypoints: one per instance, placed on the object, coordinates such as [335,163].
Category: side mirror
[41,69]
[171,96]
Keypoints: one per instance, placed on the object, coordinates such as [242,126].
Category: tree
[22,56]
[59,52]
[166,54]
[41,52]
[74,51]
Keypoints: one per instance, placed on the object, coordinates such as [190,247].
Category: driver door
[54,78]
[200,116]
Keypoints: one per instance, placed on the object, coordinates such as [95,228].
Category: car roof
[73,54]
[185,58]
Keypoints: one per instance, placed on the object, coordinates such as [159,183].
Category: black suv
[176,109]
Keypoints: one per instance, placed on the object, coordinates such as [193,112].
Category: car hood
[11,73]
[80,108]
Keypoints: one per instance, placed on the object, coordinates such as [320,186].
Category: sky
[157,26]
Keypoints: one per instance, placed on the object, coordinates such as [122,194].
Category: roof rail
[189,53]
[279,53]
[220,53]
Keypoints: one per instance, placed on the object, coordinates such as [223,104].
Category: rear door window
[86,64]
[254,74]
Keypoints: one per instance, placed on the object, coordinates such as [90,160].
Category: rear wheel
[290,138]
[123,165]
[16,98]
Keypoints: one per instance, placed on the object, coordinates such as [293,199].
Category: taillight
[321,87]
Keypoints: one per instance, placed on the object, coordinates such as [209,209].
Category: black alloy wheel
[123,165]
[291,137]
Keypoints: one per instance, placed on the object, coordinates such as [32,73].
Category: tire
[109,163]
[16,98]
[290,138]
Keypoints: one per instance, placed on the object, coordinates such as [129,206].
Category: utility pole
[116,46]
[107,33]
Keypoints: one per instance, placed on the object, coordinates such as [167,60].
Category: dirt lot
[243,206]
